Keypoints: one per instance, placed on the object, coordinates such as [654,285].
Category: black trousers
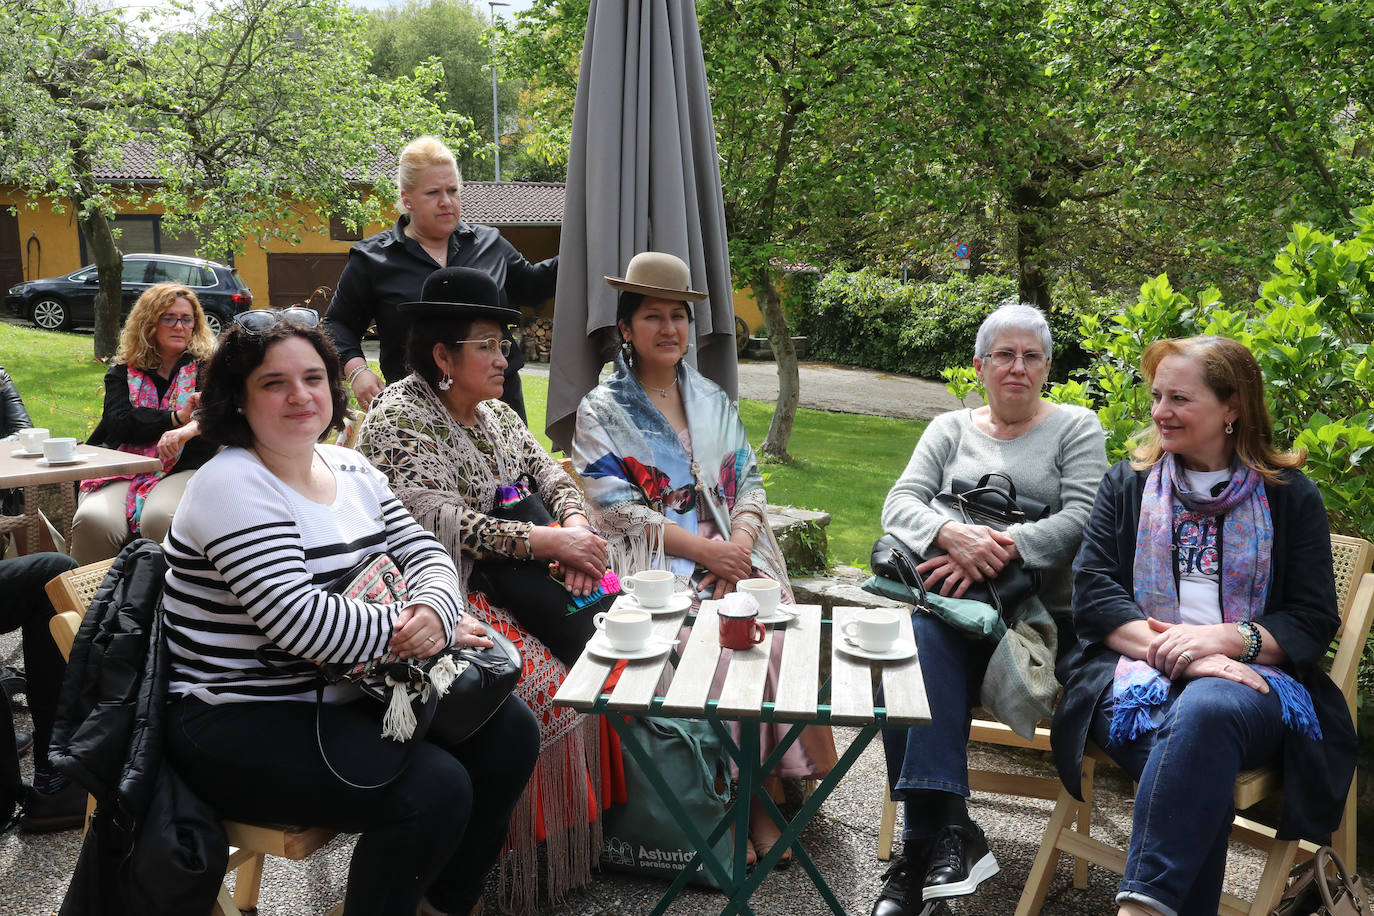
[25,605]
[434,831]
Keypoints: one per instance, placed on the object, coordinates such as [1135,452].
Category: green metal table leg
[791,831]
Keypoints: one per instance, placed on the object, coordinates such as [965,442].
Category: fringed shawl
[637,475]
[1247,538]
[438,472]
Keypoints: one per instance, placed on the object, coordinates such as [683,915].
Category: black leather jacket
[13,417]
[153,849]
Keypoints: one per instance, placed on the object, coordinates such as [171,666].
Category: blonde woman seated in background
[150,395]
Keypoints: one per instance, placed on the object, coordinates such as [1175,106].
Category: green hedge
[863,319]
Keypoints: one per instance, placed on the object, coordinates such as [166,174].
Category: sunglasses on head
[256,321]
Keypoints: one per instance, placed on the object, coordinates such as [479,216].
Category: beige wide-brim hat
[658,275]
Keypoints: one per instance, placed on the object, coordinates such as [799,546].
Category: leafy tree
[259,116]
[452,32]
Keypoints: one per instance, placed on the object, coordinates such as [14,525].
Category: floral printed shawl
[143,393]
[626,451]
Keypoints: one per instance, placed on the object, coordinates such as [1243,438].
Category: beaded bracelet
[1251,634]
[355,373]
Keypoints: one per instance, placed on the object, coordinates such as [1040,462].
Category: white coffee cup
[766,592]
[650,587]
[873,629]
[32,439]
[63,448]
[627,629]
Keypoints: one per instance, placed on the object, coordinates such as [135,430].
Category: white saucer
[680,601]
[601,647]
[778,616]
[79,458]
[22,453]
[896,653]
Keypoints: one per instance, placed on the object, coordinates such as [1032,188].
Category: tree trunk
[1031,207]
[789,382]
[95,228]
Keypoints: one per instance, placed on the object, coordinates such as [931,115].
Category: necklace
[662,392]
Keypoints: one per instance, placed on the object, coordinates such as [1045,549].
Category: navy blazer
[1300,613]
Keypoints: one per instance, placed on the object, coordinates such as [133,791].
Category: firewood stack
[536,339]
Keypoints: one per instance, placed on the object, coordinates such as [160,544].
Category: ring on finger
[1185,654]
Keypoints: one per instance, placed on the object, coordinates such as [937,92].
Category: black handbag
[976,504]
[446,697]
[528,589]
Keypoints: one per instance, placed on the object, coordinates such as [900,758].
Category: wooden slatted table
[847,698]
[31,472]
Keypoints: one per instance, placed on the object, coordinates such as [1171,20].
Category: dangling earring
[1230,427]
[444,383]
[628,352]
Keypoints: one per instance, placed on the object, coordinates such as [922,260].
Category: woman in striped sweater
[263,529]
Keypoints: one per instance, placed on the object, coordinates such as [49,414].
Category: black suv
[60,303]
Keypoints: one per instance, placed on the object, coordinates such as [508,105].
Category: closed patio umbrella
[642,175]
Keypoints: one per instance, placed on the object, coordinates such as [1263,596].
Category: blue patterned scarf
[627,451]
[1247,539]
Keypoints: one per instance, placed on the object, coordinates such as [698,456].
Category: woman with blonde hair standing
[390,268]
[150,396]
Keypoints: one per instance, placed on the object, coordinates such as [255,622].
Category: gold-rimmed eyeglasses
[488,345]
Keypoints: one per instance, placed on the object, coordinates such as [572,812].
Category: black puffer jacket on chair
[153,847]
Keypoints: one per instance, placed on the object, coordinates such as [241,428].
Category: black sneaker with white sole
[959,862]
[898,897]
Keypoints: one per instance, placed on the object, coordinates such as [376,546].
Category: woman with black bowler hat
[453,453]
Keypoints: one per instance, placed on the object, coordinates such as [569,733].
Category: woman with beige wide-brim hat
[672,481]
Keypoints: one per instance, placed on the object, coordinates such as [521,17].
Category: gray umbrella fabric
[642,175]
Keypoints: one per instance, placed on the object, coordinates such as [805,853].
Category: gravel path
[825,386]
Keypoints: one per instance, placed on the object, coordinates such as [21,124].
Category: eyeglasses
[257,321]
[171,321]
[489,345]
[1005,359]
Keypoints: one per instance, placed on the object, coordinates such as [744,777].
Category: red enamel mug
[739,623]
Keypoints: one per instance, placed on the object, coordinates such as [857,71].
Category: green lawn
[845,463]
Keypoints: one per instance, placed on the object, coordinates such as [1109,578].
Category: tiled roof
[139,163]
[513,202]
[500,203]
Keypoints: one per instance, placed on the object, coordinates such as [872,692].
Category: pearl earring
[445,383]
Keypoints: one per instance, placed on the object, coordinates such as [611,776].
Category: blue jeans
[935,756]
[1207,732]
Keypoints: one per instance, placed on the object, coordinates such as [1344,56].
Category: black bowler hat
[460,292]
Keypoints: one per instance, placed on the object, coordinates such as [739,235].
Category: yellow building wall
[49,242]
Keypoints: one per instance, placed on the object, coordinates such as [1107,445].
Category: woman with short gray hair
[1055,455]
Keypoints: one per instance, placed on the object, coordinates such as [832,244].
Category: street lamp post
[495,113]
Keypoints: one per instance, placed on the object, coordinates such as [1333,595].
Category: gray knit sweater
[1060,463]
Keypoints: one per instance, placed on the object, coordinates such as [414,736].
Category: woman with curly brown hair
[150,394]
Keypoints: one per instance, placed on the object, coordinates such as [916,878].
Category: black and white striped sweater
[250,560]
